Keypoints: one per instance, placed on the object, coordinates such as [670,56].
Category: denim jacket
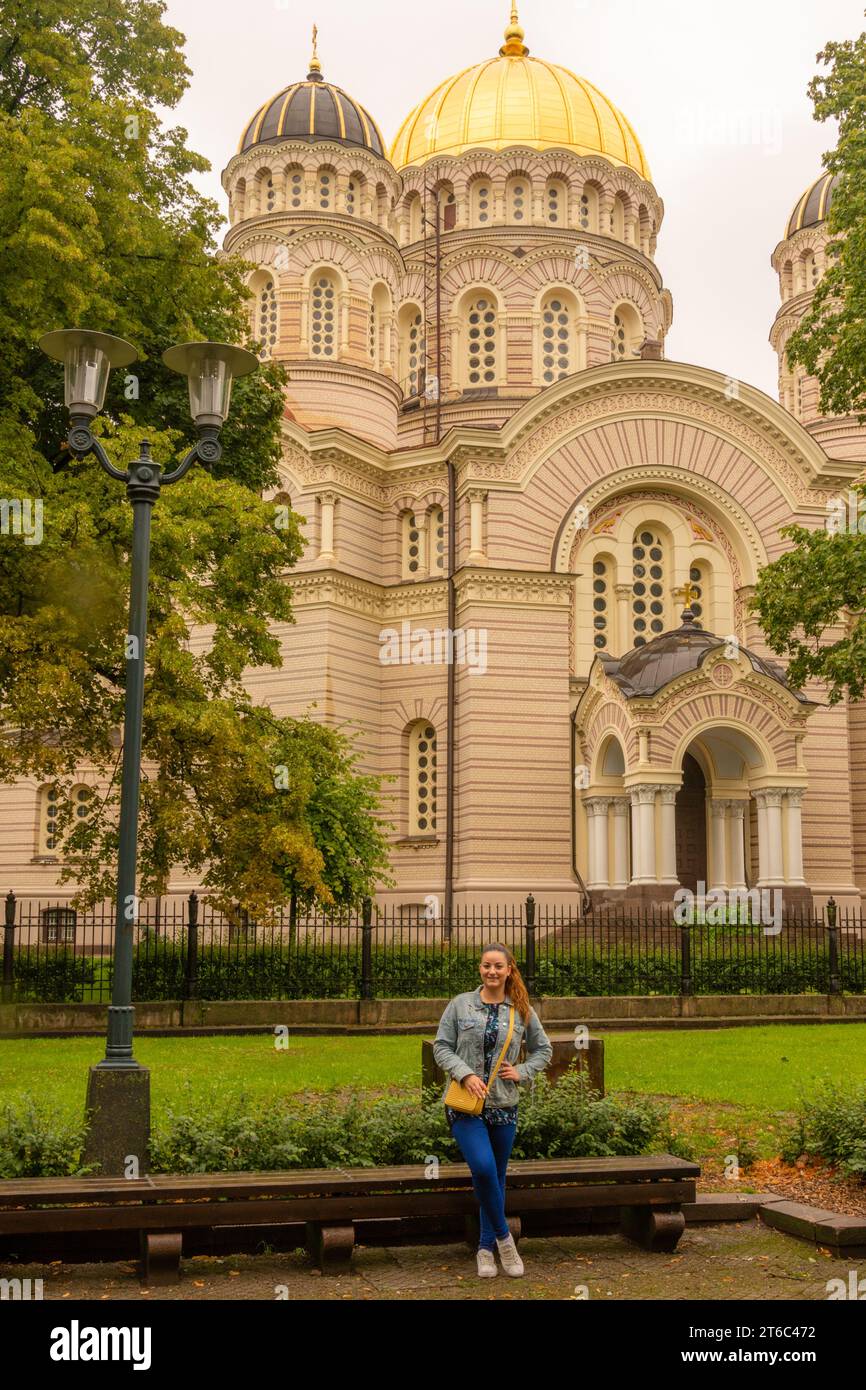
[459,1045]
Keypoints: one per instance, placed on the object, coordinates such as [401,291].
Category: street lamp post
[118,1093]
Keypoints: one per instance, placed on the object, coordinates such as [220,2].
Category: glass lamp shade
[210,369]
[87,359]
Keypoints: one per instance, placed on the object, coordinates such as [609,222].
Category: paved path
[728,1261]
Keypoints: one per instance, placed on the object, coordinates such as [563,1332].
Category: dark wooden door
[691,822]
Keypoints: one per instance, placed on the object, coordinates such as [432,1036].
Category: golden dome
[517,100]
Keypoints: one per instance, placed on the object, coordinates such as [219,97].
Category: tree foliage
[101,226]
[810,602]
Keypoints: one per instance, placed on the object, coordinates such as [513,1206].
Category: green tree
[810,602]
[100,225]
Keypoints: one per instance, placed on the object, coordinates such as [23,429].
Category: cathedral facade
[532,539]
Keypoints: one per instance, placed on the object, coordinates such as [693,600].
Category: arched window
[411,547]
[519,200]
[699,577]
[327,184]
[414,220]
[380,308]
[558,341]
[323,316]
[618,217]
[589,208]
[49,809]
[482,341]
[787,280]
[265,312]
[436,537]
[240,199]
[294,189]
[266,194]
[649,572]
[807,274]
[381,205]
[602,609]
[645,229]
[482,202]
[627,333]
[412,349]
[422,778]
[447,206]
[353,195]
[556,200]
[81,805]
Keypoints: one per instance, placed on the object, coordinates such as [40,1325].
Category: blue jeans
[487,1148]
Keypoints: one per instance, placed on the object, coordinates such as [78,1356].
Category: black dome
[814,205]
[644,671]
[313,110]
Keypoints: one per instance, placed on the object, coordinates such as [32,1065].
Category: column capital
[621,805]
[668,795]
[769,797]
[644,795]
[597,805]
[795,795]
[719,808]
[328,499]
[476,494]
[736,808]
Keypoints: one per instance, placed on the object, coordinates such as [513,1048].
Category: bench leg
[472,1226]
[652,1228]
[330,1247]
[160,1257]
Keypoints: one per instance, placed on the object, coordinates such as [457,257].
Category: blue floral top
[492,1114]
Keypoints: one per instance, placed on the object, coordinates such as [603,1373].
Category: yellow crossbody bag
[457,1095]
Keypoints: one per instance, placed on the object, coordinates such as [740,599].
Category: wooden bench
[329,1208]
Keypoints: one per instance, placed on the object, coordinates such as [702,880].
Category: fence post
[685,959]
[191,972]
[367,949]
[833,942]
[530,944]
[8,944]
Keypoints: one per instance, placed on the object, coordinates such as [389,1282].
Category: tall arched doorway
[691,826]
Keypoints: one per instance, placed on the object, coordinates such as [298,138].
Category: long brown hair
[515,985]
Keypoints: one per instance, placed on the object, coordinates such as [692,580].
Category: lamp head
[87,359]
[210,369]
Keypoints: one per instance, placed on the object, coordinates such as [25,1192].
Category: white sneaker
[511,1261]
[487,1265]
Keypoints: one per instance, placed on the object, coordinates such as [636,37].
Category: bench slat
[166,1187]
[436,1198]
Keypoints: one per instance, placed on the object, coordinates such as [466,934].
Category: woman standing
[476,1029]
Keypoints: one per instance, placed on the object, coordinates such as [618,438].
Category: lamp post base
[118,1106]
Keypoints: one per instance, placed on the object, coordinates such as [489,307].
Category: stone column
[328,501]
[737,815]
[719,847]
[794,875]
[643,839]
[476,527]
[596,810]
[668,847]
[770,837]
[620,842]
[624,595]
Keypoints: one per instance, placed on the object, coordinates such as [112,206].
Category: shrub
[36,1141]
[831,1124]
[564,1119]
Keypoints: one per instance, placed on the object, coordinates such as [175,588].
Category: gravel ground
[744,1260]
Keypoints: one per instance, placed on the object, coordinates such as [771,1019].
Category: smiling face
[494,970]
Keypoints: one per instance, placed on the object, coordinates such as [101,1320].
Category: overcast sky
[716,93]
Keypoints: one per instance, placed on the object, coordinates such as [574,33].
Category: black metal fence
[185,949]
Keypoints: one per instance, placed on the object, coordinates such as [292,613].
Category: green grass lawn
[756,1069]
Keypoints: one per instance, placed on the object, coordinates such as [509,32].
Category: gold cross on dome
[687,592]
